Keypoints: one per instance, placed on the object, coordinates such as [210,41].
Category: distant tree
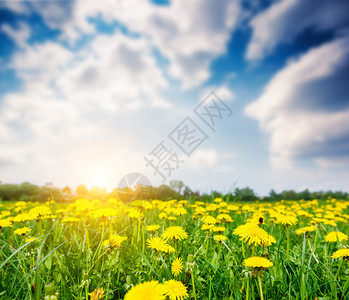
[82,190]
[164,192]
[177,185]
[245,194]
[67,190]
[187,192]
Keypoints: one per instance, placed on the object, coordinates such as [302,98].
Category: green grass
[70,256]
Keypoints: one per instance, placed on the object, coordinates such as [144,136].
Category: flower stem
[288,242]
[260,287]
[193,283]
[339,268]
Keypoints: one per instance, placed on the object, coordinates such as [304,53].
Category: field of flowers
[178,249]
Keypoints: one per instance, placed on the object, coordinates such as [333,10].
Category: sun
[99,178]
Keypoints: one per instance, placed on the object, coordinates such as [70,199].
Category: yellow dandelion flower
[286,219]
[218,229]
[175,233]
[253,234]
[150,290]
[209,220]
[224,217]
[114,241]
[220,238]
[5,223]
[177,266]
[207,226]
[29,240]
[169,249]
[162,215]
[257,262]
[175,290]
[152,228]
[335,236]
[341,253]
[22,231]
[305,229]
[158,244]
[96,294]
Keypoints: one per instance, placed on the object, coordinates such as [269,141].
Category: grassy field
[91,249]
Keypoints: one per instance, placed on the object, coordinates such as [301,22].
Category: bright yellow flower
[150,290]
[207,226]
[224,217]
[253,234]
[286,219]
[175,233]
[96,294]
[175,290]
[152,228]
[114,241]
[218,229]
[177,266]
[257,262]
[305,229]
[5,223]
[341,253]
[335,236]
[220,238]
[158,244]
[22,231]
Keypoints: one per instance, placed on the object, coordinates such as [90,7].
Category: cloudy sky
[93,90]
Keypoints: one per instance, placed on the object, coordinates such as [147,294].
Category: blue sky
[89,90]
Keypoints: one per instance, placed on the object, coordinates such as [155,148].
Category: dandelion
[218,229]
[344,255]
[175,290]
[152,228]
[258,264]
[224,218]
[335,236]
[150,290]
[28,240]
[341,253]
[220,238]
[96,294]
[114,241]
[207,226]
[22,231]
[175,233]
[177,266]
[286,219]
[5,223]
[305,229]
[253,234]
[158,244]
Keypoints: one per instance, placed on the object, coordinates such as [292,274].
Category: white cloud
[222,91]
[286,19]
[189,34]
[295,115]
[203,159]
[19,35]
[68,97]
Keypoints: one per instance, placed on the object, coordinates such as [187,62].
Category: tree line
[175,190]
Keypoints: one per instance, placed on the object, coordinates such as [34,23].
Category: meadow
[176,249]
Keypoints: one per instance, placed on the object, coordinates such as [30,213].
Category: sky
[218,94]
